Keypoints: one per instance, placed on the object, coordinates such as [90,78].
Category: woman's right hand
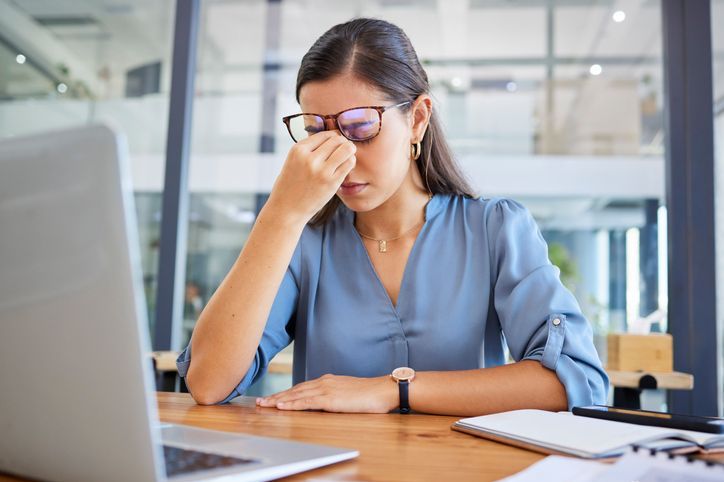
[314,170]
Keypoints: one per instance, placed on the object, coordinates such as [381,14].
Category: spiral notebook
[591,438]
[641,465]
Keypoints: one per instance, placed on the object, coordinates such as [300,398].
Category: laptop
[76,393]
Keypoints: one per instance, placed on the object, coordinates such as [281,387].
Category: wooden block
[653,352]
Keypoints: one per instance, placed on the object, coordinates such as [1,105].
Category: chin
[358,205]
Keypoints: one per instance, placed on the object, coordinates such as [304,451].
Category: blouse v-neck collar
[432,209]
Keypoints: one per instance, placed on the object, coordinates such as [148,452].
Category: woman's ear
[421,112]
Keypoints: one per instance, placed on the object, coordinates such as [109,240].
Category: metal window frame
[174,211]
[690,201]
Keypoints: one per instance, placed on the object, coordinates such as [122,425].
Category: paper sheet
[556,468]
[640,466]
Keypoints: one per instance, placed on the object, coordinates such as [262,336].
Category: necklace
[382,243]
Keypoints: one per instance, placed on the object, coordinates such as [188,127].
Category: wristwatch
[403,376]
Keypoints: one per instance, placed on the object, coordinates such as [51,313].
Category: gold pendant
[382,245]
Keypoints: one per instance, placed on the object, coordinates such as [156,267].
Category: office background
[560,104]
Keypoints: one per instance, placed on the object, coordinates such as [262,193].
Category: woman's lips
[351,188]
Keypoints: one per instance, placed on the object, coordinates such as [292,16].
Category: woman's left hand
[333,393]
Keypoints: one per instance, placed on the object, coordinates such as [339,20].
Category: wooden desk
[392,447]
[167,379]
[166,362]
[627,385]
[667,380]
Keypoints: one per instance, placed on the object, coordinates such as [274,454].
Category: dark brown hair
[381,54]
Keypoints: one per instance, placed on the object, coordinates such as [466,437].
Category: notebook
[591,438]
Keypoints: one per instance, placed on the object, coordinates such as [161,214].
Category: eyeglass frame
[379,108]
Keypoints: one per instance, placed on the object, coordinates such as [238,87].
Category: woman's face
[383,162]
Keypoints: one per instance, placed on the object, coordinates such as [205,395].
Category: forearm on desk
[229,329]
[525,384]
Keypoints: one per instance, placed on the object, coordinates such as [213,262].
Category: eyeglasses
[356,124]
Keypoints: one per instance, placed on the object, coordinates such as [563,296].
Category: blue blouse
[477,277]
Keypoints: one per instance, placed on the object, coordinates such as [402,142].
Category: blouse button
[556,321]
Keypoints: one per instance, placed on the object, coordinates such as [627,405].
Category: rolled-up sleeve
[541,320]
[278,332]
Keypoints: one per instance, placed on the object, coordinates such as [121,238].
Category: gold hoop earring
[415,150]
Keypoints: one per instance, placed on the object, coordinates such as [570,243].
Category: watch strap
[404,386]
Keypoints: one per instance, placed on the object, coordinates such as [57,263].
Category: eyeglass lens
[355,124]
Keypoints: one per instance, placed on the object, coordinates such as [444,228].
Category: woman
[398,286]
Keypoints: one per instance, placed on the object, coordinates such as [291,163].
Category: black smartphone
[657,419]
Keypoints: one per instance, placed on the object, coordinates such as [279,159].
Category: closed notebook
[565,433]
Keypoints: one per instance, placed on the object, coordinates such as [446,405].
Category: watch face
[403,373]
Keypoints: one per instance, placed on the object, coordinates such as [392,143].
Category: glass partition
[569,93]
[66,64]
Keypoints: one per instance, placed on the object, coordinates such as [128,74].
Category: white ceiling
[119,34]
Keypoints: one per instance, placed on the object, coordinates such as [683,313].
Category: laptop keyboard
[181,461]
